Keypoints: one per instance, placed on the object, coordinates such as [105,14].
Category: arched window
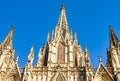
[61,53]
[75,56]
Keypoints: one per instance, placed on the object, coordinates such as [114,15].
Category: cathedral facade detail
[60,59]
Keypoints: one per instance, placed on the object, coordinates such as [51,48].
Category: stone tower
[61,59]
[113,61]
[9,70]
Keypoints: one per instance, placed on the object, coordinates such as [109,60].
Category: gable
[102,74]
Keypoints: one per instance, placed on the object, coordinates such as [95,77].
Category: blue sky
[34,18]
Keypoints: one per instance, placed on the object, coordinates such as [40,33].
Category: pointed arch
[58,77]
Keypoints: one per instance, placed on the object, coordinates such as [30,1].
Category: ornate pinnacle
[40,52]
[31,54]
[12,27]
[48,37]
[62,6]
[7,42]
[86,48]
[17,58]
[75,36]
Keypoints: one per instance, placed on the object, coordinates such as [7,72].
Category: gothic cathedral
[60,59]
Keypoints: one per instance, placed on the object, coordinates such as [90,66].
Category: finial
[110,27]
[17,58]
[12,27]
[62,5]
[75,36]
[32,47]
[86,48]
[48,37]
[100,58]
[40,51]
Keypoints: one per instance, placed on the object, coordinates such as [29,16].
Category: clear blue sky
[34,18]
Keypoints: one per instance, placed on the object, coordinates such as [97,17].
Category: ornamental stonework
[60,59]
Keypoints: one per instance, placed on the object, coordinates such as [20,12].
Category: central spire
[62,25]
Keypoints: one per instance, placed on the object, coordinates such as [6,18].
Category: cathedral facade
[60,59]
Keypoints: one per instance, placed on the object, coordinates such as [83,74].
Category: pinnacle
[110,27]
[86,48]
[63,6]
[75,35]
[12,27]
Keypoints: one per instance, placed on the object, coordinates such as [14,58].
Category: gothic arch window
[61,53]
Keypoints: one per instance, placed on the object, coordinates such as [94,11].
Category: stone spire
[7,42]
[88,66]
[71,36]
[113,38]
[40,58]
[75,38]
[48,37]
[62,25]
[31,57]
